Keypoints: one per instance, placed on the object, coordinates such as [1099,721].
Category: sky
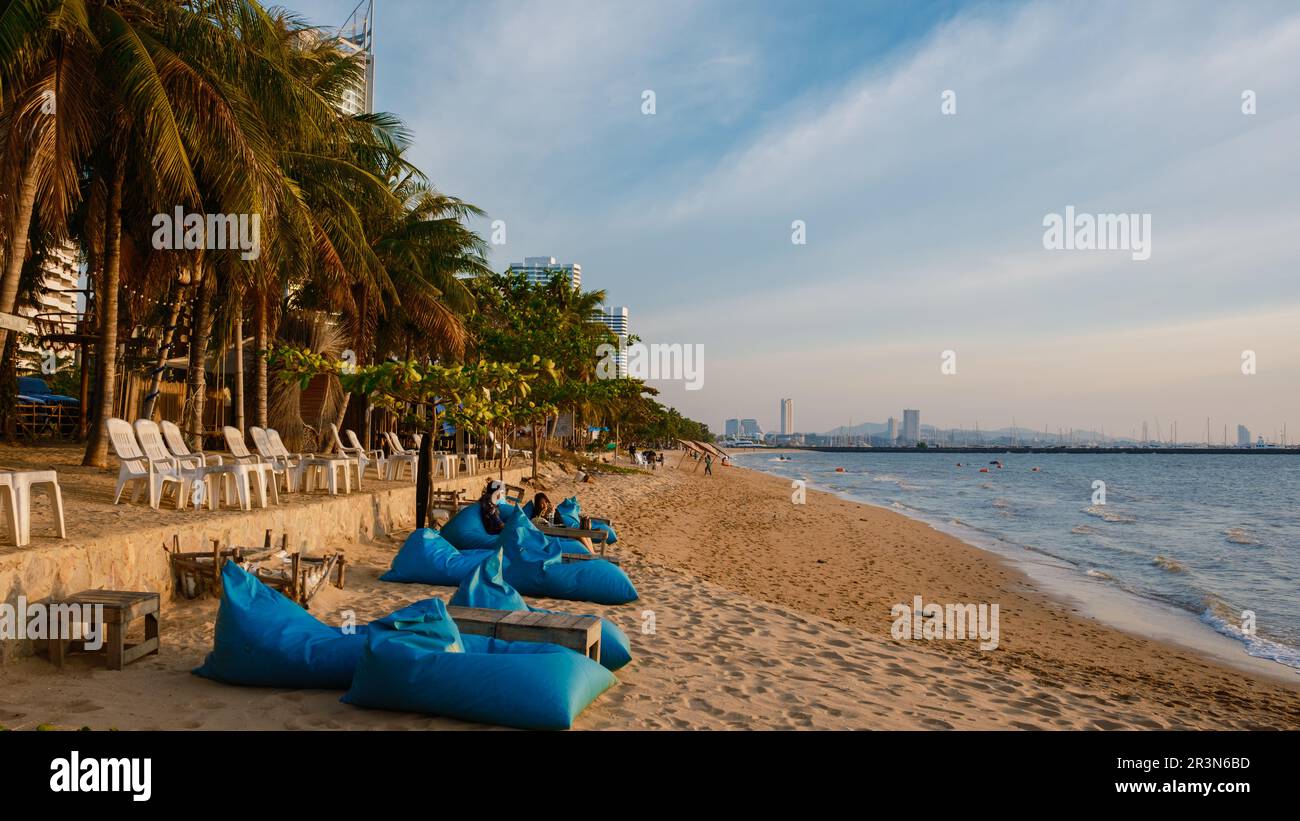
[923,230]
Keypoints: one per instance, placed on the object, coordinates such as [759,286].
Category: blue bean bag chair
[417,660]
[570,514]
[428,558]
[533,566]
[466,532]
[566,545]
[263,639]
[484,587]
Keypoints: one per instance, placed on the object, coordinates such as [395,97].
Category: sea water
[1216,536]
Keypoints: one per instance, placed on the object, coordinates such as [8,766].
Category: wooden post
[422,474]
[216,564]
[536,451]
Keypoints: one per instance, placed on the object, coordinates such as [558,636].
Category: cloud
[921,228]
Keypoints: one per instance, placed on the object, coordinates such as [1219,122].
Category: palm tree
[48,85]
[218,107]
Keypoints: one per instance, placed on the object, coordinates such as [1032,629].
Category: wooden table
[580,633]
[121,608]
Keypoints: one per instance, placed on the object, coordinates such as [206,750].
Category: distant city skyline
[932,240]
[911,429]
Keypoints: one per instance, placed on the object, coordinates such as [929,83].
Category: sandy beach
[764,614]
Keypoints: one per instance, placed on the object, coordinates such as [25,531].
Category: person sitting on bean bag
[488,501]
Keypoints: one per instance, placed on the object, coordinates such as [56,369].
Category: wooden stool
[121,608]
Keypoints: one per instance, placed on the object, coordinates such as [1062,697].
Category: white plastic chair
[16,496]
[155,449]
[399,456]
[444,464]
[157,475]
[355,452]
[176,445]
[368,456]
[241,456]
[290,465]
[236,447]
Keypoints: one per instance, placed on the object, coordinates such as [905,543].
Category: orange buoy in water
[984,470]
[839,470]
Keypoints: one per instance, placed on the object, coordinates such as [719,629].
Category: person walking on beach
[708,465]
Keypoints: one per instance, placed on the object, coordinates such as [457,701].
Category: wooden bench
[587,557]
[597,536]
[580,633]
[121,608]
[515,495]
[449,501]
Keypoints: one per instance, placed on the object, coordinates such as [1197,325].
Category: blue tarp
[485,587]
[416,660]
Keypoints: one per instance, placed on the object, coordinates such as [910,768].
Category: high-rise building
[891,430]
[615,318]
[731,428]
[749,428]
[356,37]
[911,426]
[58,293]
[787,417]
[539,270]
[1243,436]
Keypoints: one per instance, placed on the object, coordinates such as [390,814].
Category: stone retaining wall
[135,559]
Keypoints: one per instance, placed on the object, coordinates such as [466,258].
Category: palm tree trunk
[169,335]
[263,343]
[8,389]
[200,334]
[106,302]
[327,443]
[18,242]
[238,322]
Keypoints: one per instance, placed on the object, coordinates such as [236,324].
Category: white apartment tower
[911,426]
[356,37]
[787,417]
[615,318]
[60,273]
[539,270]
